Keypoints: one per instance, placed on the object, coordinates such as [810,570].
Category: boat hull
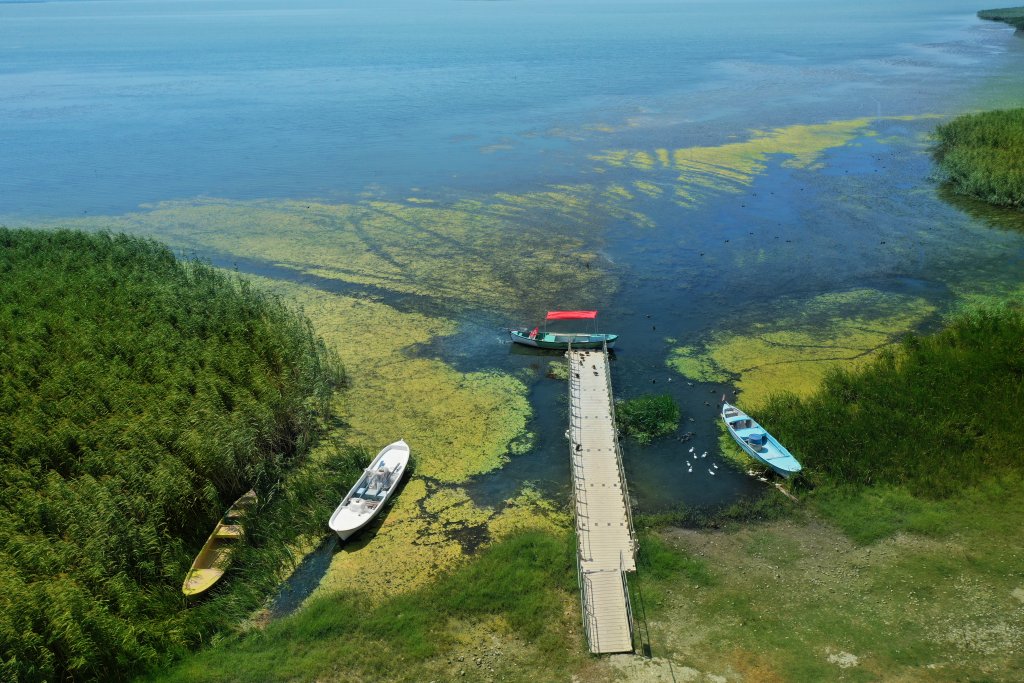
[372,491]
[758,443]
[560,342]
[215,557]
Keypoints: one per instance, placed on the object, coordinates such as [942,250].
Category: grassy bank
[1014,16]
[925,415]
[509,613]
[139,396]
[903,561]
[982,156]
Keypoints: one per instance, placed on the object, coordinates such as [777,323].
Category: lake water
[107,106]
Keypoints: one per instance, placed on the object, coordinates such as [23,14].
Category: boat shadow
[304,580]
[314,566]
[361,538]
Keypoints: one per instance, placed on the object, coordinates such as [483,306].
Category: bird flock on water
[690,463]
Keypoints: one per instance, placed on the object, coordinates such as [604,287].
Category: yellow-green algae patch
[507,252]
[802,342]
[529,510]
[701,171]
[458,424]
[648,188]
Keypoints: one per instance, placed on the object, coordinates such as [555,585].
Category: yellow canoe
[215,557]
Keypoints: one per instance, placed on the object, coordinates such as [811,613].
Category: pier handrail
[583,597]
[576,428]
[618,451]
[625,591]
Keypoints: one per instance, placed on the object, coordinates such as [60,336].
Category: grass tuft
[648,417]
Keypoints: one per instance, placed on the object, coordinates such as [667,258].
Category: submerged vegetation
[647,417]
[139,396]
[803,340]
[982,155]
[1014,16]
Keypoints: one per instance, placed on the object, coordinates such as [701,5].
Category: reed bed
[933,416]
[982,156]
[139,396]
[1014,16]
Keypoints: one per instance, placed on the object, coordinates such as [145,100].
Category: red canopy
[571,315]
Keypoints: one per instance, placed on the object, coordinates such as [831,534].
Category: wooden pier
[606,543]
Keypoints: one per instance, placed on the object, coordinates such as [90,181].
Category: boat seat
[230,531]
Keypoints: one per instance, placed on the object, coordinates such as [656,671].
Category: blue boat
[757,442]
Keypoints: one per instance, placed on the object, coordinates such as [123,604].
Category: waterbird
[691,449]
[711,472]
[715,465]
[704,455]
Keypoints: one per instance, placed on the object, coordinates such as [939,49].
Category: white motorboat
[372,491]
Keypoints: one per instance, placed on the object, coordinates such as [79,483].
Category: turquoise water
[106,106]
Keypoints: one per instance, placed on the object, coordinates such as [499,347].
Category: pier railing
[579,486]
[618,452]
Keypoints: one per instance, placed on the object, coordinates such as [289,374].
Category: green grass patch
[660,562]
[1014,16]
[520,587]
[139,396]
[869,514]
[913,458]
[982,155]
[933,416]
[648,417]
[770,506]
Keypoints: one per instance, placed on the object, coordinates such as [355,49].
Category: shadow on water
[314,566]
[304,579]
[999,217]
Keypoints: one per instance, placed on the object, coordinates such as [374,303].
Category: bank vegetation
[139,395]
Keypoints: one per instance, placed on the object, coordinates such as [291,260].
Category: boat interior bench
[229,531]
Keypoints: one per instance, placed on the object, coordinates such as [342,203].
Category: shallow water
[690,168]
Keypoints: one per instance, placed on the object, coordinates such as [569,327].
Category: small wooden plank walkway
[604,527]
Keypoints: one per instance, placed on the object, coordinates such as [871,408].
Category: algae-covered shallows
[462,424]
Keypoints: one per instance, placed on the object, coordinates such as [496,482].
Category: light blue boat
[757,442]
